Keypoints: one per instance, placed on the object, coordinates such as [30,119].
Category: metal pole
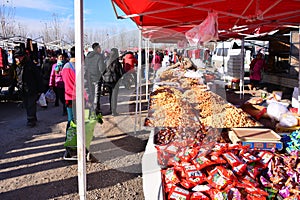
[138,79]
[242,68]
[147,68]
[299,72]
[223,61]
[78,13]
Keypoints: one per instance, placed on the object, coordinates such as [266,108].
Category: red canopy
[235,18]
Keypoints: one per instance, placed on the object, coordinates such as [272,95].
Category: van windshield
[222,52]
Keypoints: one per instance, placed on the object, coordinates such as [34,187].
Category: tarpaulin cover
[235,18]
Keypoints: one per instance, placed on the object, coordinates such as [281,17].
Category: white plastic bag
[50,96]
[288,120]
[295,102]
[42,100]
[275,110]
[204,32]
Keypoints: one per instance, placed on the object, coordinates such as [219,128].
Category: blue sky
[97,13]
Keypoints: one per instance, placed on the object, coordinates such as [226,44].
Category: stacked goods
[168,109]
[293,142]
[229,172]
[215,112]
[188,83]
[283,176]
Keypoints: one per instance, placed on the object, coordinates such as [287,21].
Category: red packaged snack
[265,157]
[217,194]
[198,196]
[202,162]
[232,159]
[170,176]
[195,176]
[220,148]
[253,171]
[168,187]
[240,169]
[256,191]
[249,181]
[187,184]
[197,180]
[249,158]
[187,154]
[219,178]
[173,161]
[237,147]
[178,193]
[201,188]
[217,158]
[183,167]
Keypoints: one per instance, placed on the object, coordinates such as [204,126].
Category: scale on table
[258,138]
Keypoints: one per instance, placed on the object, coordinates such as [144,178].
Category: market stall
[196,157]
[202,147]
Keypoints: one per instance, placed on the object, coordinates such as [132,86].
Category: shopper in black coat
[29,81]
[112,74]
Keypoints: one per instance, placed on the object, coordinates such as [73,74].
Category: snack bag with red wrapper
[237,166]
[219,178]
[171,176]
[249,158]
[178,193]
[201,162]
[265,157]
[199,196]
[195,176]
[217,194]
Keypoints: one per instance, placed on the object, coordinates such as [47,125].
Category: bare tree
[22,30]
[56,26]
[45,31]
[7,17]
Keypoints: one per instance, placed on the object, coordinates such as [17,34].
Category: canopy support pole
[78,13]
[138,80]
[147,67]
[299,71]
[242,69]
[224,70]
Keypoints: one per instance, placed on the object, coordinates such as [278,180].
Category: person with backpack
[112,74]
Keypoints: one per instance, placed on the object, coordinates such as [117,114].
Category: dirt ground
[31,164]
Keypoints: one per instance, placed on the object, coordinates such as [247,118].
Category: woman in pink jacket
[56,82]
[256,67]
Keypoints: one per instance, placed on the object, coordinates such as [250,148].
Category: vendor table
[151,172]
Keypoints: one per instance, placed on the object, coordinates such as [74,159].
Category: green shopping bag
[90,123]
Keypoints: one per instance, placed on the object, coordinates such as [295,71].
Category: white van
[222,52]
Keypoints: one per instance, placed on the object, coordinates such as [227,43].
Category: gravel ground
[31,164]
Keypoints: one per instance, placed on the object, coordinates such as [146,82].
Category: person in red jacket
[129,62]
[68,76]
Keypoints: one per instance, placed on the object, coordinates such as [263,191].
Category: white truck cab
[224,51]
